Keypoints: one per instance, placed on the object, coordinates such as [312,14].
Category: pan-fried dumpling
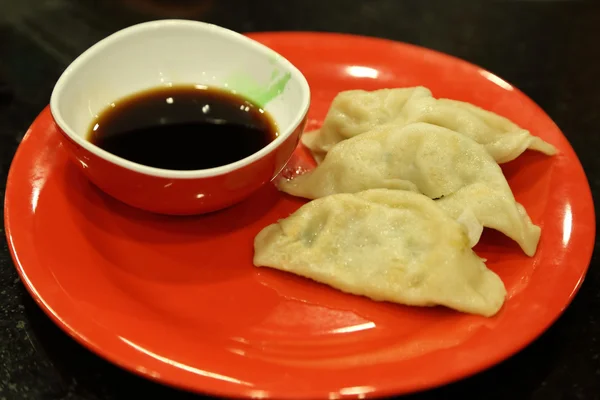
[424,158]
[388,245]
[355,112]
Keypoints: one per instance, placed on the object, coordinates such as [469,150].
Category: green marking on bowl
[260,94]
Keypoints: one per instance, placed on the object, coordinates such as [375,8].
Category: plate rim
[208,386]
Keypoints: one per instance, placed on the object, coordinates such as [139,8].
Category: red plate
[178,300]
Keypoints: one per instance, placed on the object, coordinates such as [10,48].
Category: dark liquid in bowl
[183,128]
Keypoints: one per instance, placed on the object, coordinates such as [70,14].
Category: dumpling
[494,210]
[503,139]
[428,159]
[387,245]
[355,112]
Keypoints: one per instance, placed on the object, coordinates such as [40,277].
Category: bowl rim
[140,28]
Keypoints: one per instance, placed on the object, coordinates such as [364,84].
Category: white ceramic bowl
[170,52]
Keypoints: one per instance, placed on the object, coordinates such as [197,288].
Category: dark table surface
[549,49]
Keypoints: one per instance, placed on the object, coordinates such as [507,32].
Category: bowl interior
[163,53]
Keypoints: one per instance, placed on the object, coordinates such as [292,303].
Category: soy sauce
[183,128]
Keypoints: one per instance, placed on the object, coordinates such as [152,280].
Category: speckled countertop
[549,49]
